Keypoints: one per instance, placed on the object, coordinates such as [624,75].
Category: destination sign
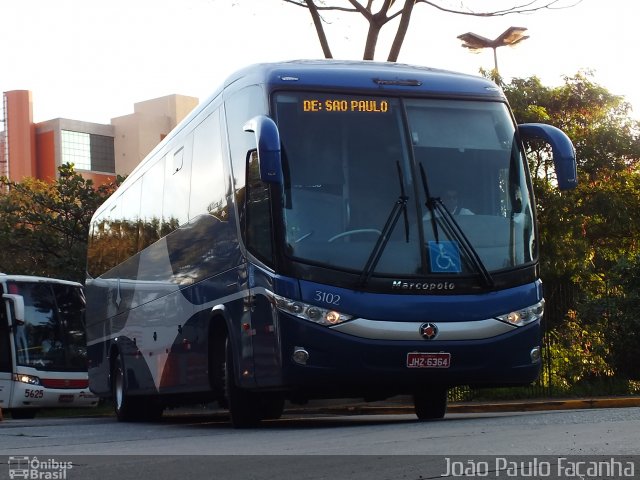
[345,105]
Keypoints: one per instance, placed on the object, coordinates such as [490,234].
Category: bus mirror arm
[564,153]
[18,308]
[268,141]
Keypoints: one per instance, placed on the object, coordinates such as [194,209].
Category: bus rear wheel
[130,408]
[123,404]
[430,404]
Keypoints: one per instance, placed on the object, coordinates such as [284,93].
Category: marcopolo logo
[422,287]
[38,469]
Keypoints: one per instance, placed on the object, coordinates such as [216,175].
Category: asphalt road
[310,446]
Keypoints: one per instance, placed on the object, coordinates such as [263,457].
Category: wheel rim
[119,388]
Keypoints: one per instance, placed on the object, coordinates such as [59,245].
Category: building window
[76,149]
[88,152]
[102,155]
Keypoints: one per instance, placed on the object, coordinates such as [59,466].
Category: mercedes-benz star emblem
[428,331]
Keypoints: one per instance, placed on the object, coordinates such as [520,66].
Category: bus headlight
[30,379]
[522,317]
[311,313]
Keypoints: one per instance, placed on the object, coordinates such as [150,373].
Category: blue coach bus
[322,229]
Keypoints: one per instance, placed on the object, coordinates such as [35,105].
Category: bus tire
[430,404]
[23,413]
[244,406]
[272,406]
[217,364]
[124,406]
[150,409]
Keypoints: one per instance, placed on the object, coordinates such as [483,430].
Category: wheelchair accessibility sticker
[445,257]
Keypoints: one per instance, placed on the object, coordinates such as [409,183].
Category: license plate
[428,360]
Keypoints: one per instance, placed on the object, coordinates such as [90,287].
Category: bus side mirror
[268,141]
[18,308]
[564,154]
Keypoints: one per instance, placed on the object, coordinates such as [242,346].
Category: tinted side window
[240,108]
[150,206]
[175,207]
[258,213]
[105,240]
[207,181]
[129,226]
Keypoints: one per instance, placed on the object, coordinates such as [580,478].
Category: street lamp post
[510,37]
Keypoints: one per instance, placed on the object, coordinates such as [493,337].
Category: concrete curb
[478,407]
[538,405]
[404,407]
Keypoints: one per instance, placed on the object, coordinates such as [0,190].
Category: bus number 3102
[326,297]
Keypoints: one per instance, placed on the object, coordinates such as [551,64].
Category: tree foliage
[584,231]
[381,13]
[589,236]
[44,226]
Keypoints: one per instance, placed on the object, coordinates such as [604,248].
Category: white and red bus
[43,355]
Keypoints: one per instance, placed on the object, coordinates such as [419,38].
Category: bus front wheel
[430,404]
[23,413]
[244,406]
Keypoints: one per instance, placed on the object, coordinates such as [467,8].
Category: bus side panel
[187,365]
[98,359]
[266,332]
[162,323]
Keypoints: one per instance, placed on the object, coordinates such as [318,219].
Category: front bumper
[343,362]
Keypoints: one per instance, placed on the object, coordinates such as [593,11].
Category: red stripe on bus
[64,383]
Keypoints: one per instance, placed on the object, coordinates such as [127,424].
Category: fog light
[300,355]
[536,353]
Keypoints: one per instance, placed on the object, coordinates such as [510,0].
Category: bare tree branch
[522,8]
[401,33]
[317,22]
[387,13]
[304,4]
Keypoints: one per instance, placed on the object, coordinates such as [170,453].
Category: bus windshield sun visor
[441,214]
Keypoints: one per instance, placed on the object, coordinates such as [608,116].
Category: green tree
[584,232]
[44,226]
[622,309]
[589,236]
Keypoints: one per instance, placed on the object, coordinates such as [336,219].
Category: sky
[91,60]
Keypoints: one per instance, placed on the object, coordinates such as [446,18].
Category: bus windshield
[438,186]
[52,335]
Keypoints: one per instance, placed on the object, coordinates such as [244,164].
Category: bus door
[258,232]
[5,358]
[6,354]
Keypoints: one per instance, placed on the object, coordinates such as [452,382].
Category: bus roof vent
[398,82]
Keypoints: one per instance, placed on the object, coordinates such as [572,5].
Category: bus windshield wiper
[400,206]
[440,213]
[430,204]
